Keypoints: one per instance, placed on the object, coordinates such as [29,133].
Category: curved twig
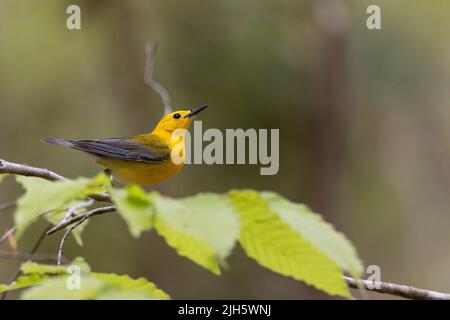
[75,219]
[152,83]
[82,219]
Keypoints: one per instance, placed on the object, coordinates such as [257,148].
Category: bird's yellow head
[176,120]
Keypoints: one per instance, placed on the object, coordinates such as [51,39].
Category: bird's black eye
[177,116]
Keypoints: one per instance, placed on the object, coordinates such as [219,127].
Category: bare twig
[32,252]
[7,234]
[152,83]
[24,170]
[31,256]
[8,205]
[75,219]
[29,171]
[397,289]
[73,211]
[84,217]
[102,197]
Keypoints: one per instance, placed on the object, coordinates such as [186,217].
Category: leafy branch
[275,232]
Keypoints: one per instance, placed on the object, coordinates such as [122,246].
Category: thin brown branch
[25,170]
[84,217]
[30,256]
[7,234]
[8,205]
[32,252]
[151,82]
[73,211]
[102,197]
[397,289]
[29,171]
[75,219]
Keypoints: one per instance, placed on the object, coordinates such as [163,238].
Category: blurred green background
[363,117]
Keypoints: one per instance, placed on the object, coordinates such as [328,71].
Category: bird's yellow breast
[140,172]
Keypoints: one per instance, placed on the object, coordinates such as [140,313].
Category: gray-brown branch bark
[75,219]
[400,290]
[8,255]
[29,171]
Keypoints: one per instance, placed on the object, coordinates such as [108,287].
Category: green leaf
[30,267]
[3,176]
[78,231]
[124,287]
[274,244]
[188,246]
[134,206]
[96,286]
[58,289]
[320,233]
[203,228]
[23,282]
[57,282]
[35,273]
[44,196]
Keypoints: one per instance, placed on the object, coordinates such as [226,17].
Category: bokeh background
[363,115]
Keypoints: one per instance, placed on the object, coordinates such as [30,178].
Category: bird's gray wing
[120,148]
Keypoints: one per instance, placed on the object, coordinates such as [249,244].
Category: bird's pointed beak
[195,111]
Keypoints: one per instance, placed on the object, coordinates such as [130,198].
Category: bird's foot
[114,182]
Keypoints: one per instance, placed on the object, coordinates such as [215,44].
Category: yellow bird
[143,159]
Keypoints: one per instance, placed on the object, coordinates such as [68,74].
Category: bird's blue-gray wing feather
[119,148]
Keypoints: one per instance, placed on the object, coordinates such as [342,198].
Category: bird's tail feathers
[63,142]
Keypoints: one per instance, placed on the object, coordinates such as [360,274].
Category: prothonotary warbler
[144,159]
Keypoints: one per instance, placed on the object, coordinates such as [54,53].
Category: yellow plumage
[144,159]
